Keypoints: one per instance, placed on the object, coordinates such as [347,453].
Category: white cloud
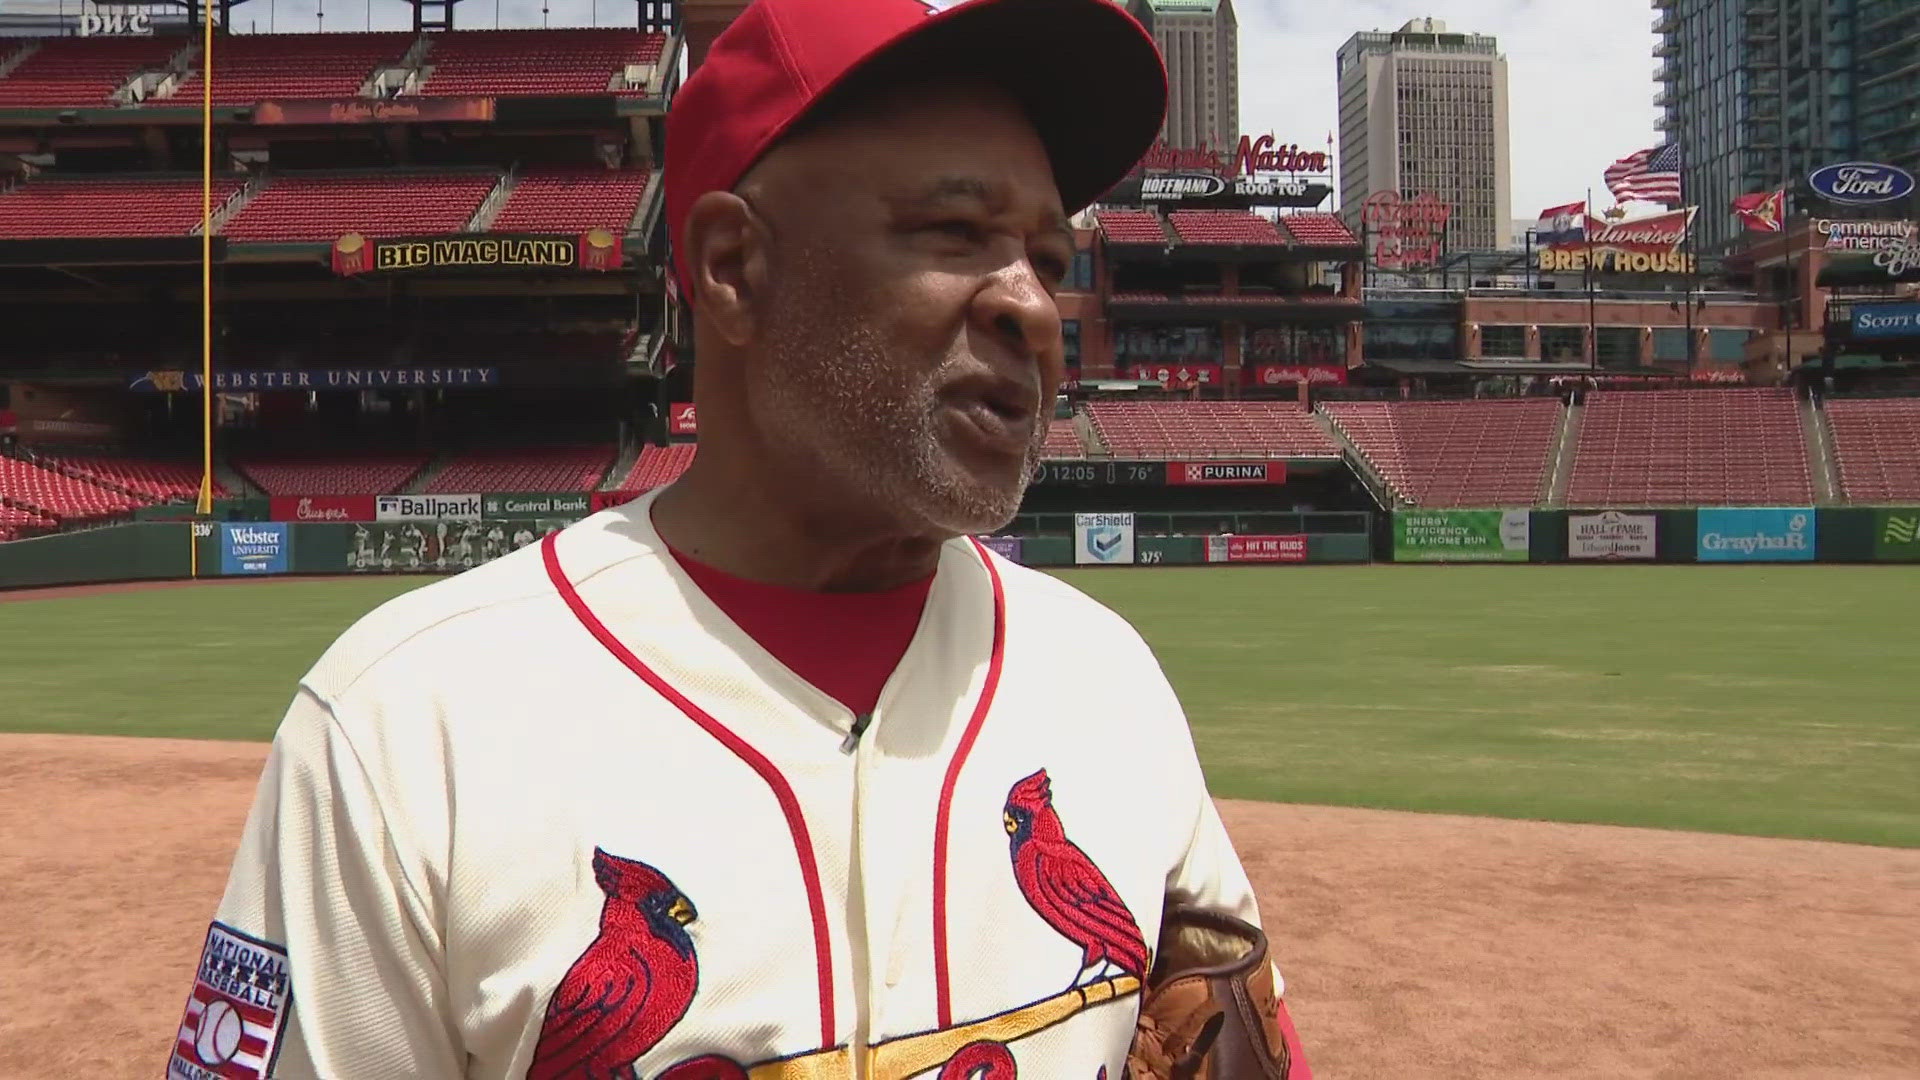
[1579,83]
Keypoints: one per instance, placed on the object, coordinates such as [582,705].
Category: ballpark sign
[427,508]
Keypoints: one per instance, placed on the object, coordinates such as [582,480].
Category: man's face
[910,344]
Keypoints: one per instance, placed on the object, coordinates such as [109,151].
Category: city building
[1759,93]
[1424,111]
[1200,40]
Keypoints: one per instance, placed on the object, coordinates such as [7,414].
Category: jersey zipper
[860,723]
[858,940]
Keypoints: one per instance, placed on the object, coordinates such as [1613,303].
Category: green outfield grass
[1779,701]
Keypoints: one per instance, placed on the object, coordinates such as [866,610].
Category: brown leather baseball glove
[1209,1011]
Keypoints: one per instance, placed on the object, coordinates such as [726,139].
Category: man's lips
[999,412]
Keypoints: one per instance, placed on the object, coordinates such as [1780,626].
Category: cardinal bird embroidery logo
[630,986]
[1067,890]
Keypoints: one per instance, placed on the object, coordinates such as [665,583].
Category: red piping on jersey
[782,791]
[943,994]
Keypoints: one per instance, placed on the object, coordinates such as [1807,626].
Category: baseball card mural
[419,547]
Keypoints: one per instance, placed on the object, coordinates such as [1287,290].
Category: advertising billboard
[1756,534]
[1007,547]
[426,507]
[1885,320]
[1612,535]
[1462,535]
[1103,539]
[1896,534]
[255,547]
[320,508]
[1256,549]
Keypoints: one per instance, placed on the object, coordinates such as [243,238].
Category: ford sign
[1861,182]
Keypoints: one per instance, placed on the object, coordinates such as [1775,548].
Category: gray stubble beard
[827,376]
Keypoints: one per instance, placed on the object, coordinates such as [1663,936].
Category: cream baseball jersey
[558,817]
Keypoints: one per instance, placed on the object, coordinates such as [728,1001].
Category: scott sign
[1861,182]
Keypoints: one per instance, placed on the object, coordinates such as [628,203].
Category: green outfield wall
[238,546]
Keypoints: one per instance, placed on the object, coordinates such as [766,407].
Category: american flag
[1651,175]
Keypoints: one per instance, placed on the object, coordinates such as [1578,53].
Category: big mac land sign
[1647,245]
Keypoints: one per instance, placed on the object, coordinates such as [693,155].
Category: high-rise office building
[1424,111]
[1200,40]
[1759,93]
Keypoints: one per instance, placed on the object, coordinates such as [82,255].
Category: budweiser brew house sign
[1260,171]
[1646,245]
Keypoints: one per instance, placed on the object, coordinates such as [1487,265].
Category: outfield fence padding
[137,551]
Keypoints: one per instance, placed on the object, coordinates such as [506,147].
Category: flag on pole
[1651,175]
[1562,225]
[1763,211]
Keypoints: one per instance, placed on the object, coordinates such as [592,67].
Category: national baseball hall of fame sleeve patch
[238,1010]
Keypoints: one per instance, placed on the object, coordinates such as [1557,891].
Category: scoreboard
[1159,473]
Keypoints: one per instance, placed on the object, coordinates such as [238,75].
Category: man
[773,772]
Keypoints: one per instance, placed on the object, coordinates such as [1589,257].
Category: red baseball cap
[1089,75]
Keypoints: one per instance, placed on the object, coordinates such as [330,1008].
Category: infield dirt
[1416,946]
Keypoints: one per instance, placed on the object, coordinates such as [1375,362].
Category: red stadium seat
[248,68]
[151,479]
[294,207]
[99,207]
[1876,446]
[1455,453]
[1319,230]
[1063,441]
[508,63]
[368,474]
[1691,447]
[1223,227]
[657,466]
[1131,226]
[81,72]
[1209,429]
[572,468]
[572,200]
[58,496]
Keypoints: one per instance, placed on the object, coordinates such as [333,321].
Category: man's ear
[726,255]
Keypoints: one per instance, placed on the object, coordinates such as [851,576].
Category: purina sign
[1861,183]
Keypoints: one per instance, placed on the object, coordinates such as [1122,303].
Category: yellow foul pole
[205,505]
